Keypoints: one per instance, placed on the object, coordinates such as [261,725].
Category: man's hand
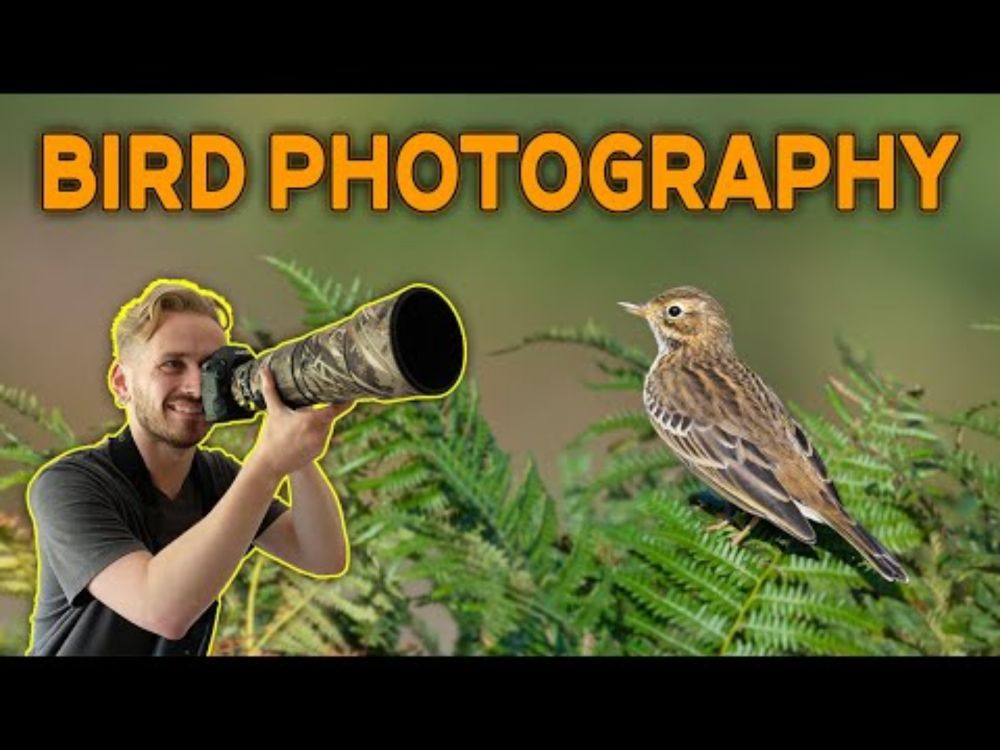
[291,438]
[167,592]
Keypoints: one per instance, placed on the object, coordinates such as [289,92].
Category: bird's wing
[730,454]
[828,501]
[801,468]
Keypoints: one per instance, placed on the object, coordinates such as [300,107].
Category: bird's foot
[741,535]
[717,526]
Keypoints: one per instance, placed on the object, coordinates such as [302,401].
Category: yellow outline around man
[139,534]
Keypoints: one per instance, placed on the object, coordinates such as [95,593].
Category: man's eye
[173,364]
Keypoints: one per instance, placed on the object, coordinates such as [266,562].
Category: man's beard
[153,419]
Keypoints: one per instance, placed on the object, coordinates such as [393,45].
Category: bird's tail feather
[871,549]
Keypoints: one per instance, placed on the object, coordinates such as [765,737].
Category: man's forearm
[187,575]
[319,525]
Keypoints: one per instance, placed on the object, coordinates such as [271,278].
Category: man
[139,534]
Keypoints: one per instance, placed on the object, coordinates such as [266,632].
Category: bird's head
[685,316]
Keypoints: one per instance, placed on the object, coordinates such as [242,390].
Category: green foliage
[692,591]
[279,611]
[13,638]
[621,560]
[17,578]
[19,460]
[26,404]
[324,301]
[591,335]
[629,365]
[22,458]
[17,558]
[486,544]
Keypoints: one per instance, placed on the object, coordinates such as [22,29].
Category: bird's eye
[674,311]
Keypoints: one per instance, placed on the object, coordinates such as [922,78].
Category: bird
[734,433]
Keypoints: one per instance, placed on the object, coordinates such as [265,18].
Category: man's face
[161,379]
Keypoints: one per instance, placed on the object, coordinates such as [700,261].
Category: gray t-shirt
[91,508]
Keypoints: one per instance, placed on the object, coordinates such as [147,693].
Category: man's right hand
[167,592]
[291,438]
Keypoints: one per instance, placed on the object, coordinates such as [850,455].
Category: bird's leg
[728,514]
[739,537]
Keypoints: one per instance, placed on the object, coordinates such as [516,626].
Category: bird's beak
[639,310]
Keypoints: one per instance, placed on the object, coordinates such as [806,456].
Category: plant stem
[280,622]
[747,603]
[248,628]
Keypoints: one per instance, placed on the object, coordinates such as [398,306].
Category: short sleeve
[79,530]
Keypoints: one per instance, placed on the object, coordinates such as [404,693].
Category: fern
[15,449]
[981,418]
[633,468]
[593,337]
[733,601]
[27,405]
[489,559]
[310,618]
[324,301]
[634,422]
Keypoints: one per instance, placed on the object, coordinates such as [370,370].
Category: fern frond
[529,518]
[27,405]
[682,570]
[591,336]
[324,301]
[633,465]
[21,454]
[396,482]
[782,635]
[797,600]
[634,421]
[621,381]
[894,430]
[979,419]
[820,571]
[673,606]
[680,526]
[14,478]
[663,640]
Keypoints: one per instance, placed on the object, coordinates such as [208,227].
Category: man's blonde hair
[139,318]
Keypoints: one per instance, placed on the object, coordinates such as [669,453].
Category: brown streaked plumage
[733,432]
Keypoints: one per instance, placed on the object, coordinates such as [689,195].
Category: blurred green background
[904,285]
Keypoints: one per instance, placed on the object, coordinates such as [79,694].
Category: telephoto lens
[409,344]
